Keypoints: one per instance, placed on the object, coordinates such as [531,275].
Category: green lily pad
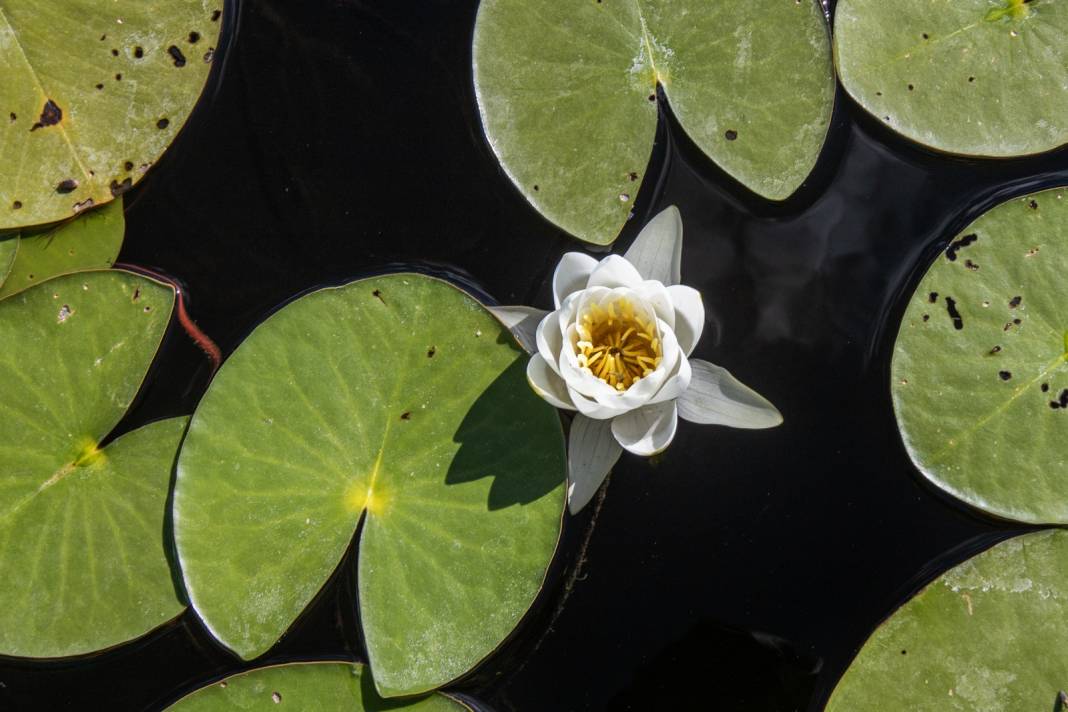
[9,247]
[90,241]
[567,93]
[980,371]
[93,93]
[82,556]
[399,400]
[312,687]
[974,77]
[984,636]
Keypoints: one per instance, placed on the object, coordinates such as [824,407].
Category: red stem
[190,327]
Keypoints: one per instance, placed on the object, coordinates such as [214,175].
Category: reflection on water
[344,138]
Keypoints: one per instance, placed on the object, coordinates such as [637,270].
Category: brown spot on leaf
[176,55]
[67,186]
[118,188]
[163,123]
[83,205]
[51,115]
[194,37]
[957,245]
[1015,302]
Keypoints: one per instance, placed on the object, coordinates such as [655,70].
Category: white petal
[715,397]
[523,323]
[547,384]
[549,340]
[592,450]
[657,251]
[657,296]
[689,315]
[614,271]
[591,408]
[648,430]
[675,384]
[571,275]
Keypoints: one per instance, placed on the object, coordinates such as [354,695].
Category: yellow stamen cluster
[617,344]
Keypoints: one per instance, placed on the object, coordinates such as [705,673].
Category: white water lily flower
[616,349]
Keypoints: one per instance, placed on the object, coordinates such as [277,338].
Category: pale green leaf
[975,77]
[567,96]
[309,687]
[82,557]
[979,365]
[986,635]
[399,399]
[92,94]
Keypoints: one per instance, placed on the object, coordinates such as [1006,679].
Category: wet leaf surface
[980,368]
[983,636]
[93,93]
[976,77]
[567,93]
[81,526]
[399,400]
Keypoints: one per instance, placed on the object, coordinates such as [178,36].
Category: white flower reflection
[616,349]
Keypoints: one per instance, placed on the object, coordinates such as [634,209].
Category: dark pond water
[740,571]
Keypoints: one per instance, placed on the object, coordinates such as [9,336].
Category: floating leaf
[89,241]
[567,93]
[326,686]
[984,636]
[975,77]
[9,247]
[398,399]
[92,95]
[980,376]
[82,558]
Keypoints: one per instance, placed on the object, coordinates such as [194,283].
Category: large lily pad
[93,93]
[984,636]
[976,77]
[398,399]
[980,371]
[82,559]
[312,687]
[90,241]
[567,94]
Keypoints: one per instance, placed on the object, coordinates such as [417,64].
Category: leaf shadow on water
[495,442]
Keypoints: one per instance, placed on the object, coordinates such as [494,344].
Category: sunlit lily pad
[82,559]
[93,93]
[567,93]
[398,399]
[325,686]
[984,636]
[976,77]
[980,372]
[90,241]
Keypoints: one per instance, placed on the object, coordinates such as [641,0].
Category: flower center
[617,343]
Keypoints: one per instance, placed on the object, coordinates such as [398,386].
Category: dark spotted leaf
[92,94]
[980,369]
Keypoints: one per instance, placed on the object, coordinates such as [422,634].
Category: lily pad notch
[398,399]
[567,93]
[81,525]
